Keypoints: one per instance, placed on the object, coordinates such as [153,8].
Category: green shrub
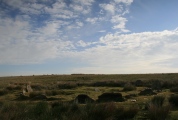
[158,101]
[52,92]
[3,92]
[98,111]
[14,87]
[14,111]
[67,85]
[34,94]
[108,84]
[129,87]
[158,113]
[126,113]
[169,84]
[156,110]
[37,87]
[41,108]
[58,109]
[173,99]
[65,111]
[174,89]
[39,111]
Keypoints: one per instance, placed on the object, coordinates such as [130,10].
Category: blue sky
[88,36]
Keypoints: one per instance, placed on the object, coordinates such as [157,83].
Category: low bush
[168,84]
[100,111]
[15,111]
[14,87]
[158,101]
[173,99]
[156,110]
[67,85]
[126,113]
[52,92]
[108,84]
[65,111]
[41,109]
[174,89]
[129,87]
[158,113]
[3,92]
[37,87]
[35,93]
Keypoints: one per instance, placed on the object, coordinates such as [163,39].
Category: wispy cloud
[91,32]
[128,2]
[109,8]
[119,22]
[133,53]
[20,45]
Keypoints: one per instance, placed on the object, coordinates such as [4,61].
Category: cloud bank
[33,32]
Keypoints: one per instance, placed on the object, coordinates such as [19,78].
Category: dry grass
[66,87]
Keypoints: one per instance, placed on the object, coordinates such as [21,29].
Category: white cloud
[60,10]
[80,24]
[102,31]
[84,2]
[26,7]
[119,22]
[82,43]
[82,6]
[78,8]
[113,53]
[14,3]
[128,2]
[50,29]
[92,20]
[20,45]
[108,7]
[132,53]
[115,14]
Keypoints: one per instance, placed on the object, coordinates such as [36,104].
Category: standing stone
[83,99]
[97,90]
[29,89]
[24,91]
[110,97]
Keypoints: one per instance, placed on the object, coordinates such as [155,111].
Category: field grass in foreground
[61,90]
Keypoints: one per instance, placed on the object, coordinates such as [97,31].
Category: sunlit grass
[65,88]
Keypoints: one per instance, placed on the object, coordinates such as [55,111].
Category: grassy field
[63,89]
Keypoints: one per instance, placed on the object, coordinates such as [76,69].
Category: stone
[22,97]
[83,99]
[29,89]
[40,97]
[24,91]
[97,90]
[110,97]
[133,100]
[156,85]
[147,91]
[139,83]
[130,96]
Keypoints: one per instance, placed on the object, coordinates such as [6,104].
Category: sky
[88,36]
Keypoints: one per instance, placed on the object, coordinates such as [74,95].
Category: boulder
[97,90]
[40,97]
[83,99]
[156,85]
[22,97]
[147,91]
[130,96]
[29,89]
[138,83]
[110,97]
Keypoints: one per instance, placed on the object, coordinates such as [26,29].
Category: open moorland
[89,97]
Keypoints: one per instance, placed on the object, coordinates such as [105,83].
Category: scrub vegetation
[89,97]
